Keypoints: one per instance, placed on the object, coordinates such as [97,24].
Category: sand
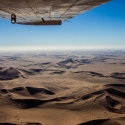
[62,88]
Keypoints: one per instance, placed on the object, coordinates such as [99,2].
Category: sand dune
[118,75]
[101,122]
[62,88]
[69,63]
[46,63]
[36,90]
[9,74]
[58,72]
[36,70]
[91,73]
[29,97]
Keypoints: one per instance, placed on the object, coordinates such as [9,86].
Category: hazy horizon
[57,48]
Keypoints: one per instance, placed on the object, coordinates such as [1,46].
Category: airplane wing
[44,12]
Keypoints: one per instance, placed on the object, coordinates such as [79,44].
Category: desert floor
[62,88]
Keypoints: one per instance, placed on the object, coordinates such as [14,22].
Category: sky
[101,27]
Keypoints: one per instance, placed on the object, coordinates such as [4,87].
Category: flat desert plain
[62,88]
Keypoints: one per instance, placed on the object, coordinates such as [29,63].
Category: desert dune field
[62,88]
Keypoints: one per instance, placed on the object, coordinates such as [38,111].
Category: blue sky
[103,26]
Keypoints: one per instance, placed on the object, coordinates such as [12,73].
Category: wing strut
[43,20]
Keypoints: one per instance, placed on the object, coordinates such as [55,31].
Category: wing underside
[45,12]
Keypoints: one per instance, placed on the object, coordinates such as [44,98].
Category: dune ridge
[101,122]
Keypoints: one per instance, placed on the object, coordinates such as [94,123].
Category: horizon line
[61,48]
